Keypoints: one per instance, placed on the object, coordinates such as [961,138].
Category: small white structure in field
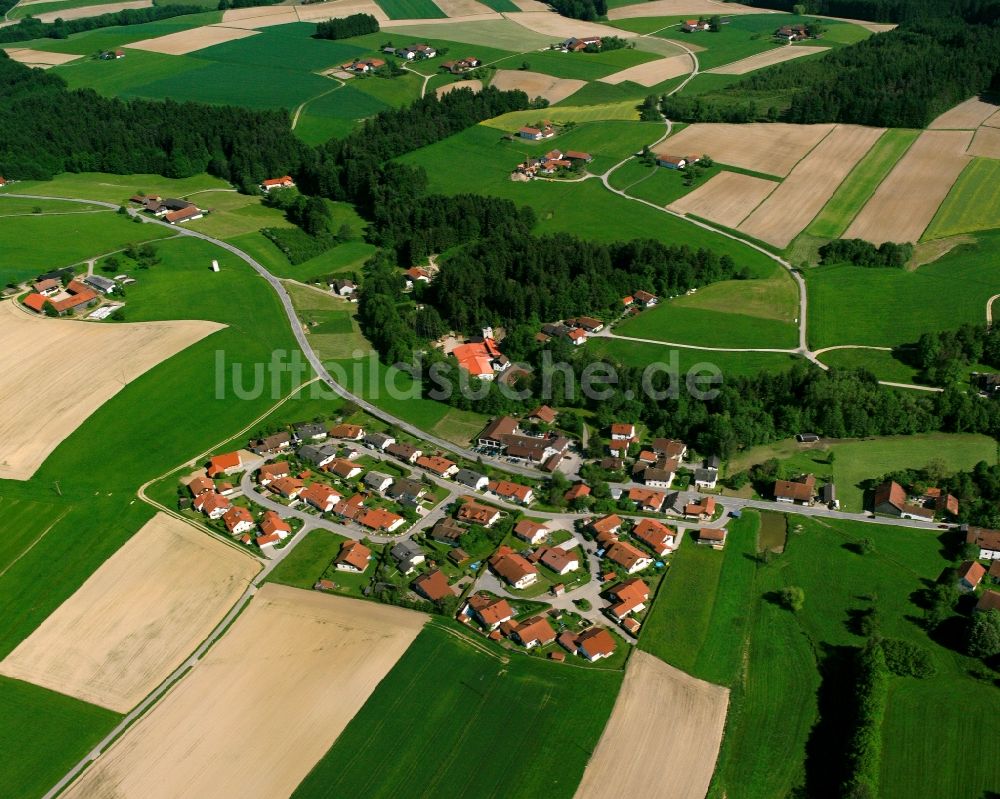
[215,266]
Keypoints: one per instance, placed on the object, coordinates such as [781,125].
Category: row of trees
[344,28]
[588,10]
[863,253]
[31,28]
[944,357]
[903,78]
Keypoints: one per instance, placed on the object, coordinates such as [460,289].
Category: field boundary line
[31,546]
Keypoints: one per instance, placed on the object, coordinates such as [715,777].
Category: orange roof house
[513,568]
[578,491]
[629,597]
[284,182]
[222,464]
[288,487]
[628,557]
[655,535]
[970,574]
[381,519]
[607,524]
[353,557]
[199,485]
[237,520]
[272,524]
[512,491]
[433,585]
[491,612]
[535,631]
[595,643]
[530,531]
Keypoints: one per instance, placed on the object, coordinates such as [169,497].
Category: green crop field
[501,33]
[335,113]
[36,9]
[858,461]
[670,321]
[731,364]
[851,196]
[46,734]
[286,46]
[112,78]
[446,707]
[698,619]
[90,42]
[411,9]
[580,66]
[113,188]
[310,558]
[344,258]
[500,5]
[973,202]
[773,713]
[884,365]
[854,305]
[623,110]
[68,239]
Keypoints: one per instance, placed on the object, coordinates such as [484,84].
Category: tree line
[863,253]
[945,357]
[344,28]
[588,10]
[32,28]
[903,78]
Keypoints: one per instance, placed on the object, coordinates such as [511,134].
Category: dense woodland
[903,78]
[345,27]
[588,10]
[31,28]
[863,253]
[946,358]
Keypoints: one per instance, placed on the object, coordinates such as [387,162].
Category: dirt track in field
[662,739]
[771,148]
[536,84]
[653,72]
[265,703]
[905,202]
[54,373]
[727,198]
[802,195]
[136,618]
[766,59]
[965,116]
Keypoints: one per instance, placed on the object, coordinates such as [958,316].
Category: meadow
[856,461]
[731,364]
[92,41]
[464,692]
[851,196]
[855,305]
[109,188]
[973,202]
[114,78]
[55,730]
[670,321]
[345,258]
[329,322]
[307,562]
[884,365]
[411,9]
[580,66]
[498,33]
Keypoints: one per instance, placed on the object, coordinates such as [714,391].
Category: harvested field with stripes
[766,59]
[726,199]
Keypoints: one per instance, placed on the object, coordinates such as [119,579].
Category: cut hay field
[535,84]
[767,59]
[70,238]
[499,33]
[794,204]
[324,656]
[114,189]
[774,722]
[728,198]
[37,9]
[653,72]
[853,305]
[968,115]
[545,744]
[772,148]
[624,110]
[136,618]
[973,202]
[856,461]
[36,354]
[851,196]
[661,715]
[986,143]
[905,202]
[187,41]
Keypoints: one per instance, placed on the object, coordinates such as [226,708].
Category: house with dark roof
[988,541]
[471,479]
[309,431]
[447,531]
[408,555]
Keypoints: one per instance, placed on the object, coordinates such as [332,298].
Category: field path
[304,103]
[989,310]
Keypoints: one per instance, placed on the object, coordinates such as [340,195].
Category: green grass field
[579,66]
[90,42]
[335,113]
[310,558]
[329,320]
[731,364]
[856,461]
[138,68]
[854,305]
[48,732]
[110,188]
[466,722]
[411,9]
[344,258]
[499,33]
[621,110]
[670,321]
[698,619]
[500,5]
[884,365]
[973,202]
[851,196]
[69,239]
[286,46]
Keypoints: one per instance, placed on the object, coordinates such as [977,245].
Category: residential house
[343,287]
[530,531]
[546,131]
[272,524]
[647,500]
[577,491]
[405,452]
[381,520]
[970,575]
[433,585]
[435,464]
[351,432]
[379,441]
[560,560]
[595,643]
[284,182]
[512,568]
[377,482]
[269,445]
[990,600]
[447,531]
[707,476]
[994,572]
[200,485]
[800,491]
[213,505]
[350,508]
[543,414]
[704,509]
[621,431]
[406,491]
[661,475]
[644,298]
[607,525]
[321,497]
[669,448]
[512,492]
[987,540]
[695,25]
[353,557]
[535,631]
[481,358]
[628,597]
[309,431]
[471,479]
[940,501]
[715,537]
[408,555]
[628,557]
[791,33]
[655,535]
[490,612]
[504,434]
[474,513]
[238,520]
[270,472]
[416,52]
[891,499]
[288,487]
[343,468]
[362,66]
[318,456]
[459,556]
[227,463]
